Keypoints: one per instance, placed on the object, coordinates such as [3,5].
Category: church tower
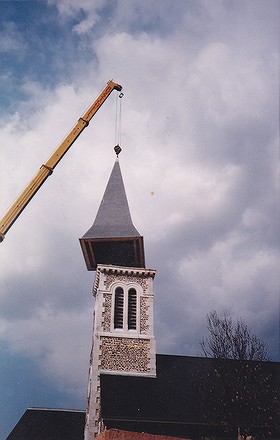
[123,330]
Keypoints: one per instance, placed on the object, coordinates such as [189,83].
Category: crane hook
[117,149]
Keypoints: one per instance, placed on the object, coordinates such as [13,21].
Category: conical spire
[113,239]
[113,218]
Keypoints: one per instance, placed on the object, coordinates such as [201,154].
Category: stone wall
[125,354]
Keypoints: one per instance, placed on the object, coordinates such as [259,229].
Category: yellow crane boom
[47,168]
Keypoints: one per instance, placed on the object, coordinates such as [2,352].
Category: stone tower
[123,330]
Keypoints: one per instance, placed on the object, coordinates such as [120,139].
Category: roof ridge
[54,409]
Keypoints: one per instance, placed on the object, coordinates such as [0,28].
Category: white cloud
[59,340]
[229,88]
[90,12]
[12,40]
[71,7]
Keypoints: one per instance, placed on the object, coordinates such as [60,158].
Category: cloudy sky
[200,160]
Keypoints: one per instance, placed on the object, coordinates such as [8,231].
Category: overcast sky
[199,162]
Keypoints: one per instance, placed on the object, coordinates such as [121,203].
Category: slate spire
[113,239]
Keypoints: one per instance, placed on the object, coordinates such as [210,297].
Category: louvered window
[132,309]
[118,311]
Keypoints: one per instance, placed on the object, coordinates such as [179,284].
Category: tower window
[132,309]
[118,310]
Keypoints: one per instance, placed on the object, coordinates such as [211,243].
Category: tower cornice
[121,271]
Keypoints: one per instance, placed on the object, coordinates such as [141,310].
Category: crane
[47,168]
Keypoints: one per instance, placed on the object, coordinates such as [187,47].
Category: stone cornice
[121,271]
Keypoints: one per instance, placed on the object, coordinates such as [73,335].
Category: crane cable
[118,119]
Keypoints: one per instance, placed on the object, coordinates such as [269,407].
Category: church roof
[113,239]
[195,397]
[49,424]
[113,218]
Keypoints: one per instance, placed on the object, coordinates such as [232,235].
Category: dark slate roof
[49,424]
[194,396]
[113,218]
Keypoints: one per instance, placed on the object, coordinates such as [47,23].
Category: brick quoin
[117,434]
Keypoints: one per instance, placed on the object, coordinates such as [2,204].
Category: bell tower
[123,329]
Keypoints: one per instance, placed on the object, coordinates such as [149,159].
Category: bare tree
[237,386]
[229,340]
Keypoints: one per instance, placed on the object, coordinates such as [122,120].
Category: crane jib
[46,169]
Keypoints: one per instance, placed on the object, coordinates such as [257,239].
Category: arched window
[132,309]
[125,309]
[118,310]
